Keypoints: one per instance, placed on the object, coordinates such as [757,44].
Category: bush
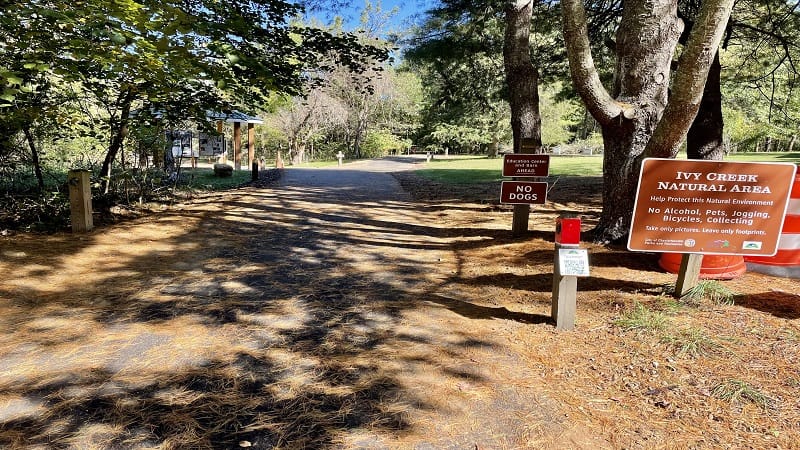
[382,143]
[47,212]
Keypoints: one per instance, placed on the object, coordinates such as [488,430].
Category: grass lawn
[479,169]
[204,179]
[327,163]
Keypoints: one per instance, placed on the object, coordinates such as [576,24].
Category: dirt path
[319,313]
[332,311]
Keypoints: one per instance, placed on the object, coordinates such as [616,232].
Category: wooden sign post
[570,262]
[80,200]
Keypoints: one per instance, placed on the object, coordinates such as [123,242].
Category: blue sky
[407,11]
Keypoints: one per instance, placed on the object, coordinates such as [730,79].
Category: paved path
[319,313]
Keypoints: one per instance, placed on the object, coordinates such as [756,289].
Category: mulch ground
[271,318]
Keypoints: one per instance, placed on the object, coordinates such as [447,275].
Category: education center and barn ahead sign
[710,207]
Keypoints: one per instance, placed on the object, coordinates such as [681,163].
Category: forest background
[97,85]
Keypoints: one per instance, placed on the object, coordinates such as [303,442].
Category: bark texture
[636,118]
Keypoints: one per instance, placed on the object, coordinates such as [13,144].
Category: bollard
[80,200]
[255,171]
[339,156]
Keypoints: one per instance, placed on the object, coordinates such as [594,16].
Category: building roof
[234,116]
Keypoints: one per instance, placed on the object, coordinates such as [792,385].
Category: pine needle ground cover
[285,317]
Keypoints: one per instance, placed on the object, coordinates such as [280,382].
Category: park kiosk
[237,118]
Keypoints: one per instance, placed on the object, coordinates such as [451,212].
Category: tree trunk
[646,41]
[635,118]
[116,139]
[522,79]
[493,148]
[37,167]
[704,140]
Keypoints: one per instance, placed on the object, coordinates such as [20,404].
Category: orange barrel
[714,267]
[785,263]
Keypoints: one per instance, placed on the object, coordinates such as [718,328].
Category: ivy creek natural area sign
[710,207]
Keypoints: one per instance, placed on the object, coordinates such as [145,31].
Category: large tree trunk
[646,41]
[523,87]
[704,140]
[636,119]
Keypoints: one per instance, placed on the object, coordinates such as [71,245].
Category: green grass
[737,391]
[691,341]
[204,179]
[716,292]
[641,318]
[319,163]
[793,157]
[480,169]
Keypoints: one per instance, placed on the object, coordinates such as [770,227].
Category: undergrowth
[733,390]
[642,318]
[691,341]
[711,290]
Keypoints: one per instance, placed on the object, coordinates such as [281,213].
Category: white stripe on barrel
[785,263]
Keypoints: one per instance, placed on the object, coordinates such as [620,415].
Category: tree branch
[584,74]
[690,79]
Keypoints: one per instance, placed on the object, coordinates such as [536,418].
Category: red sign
[523,192]
[710,207]
[523,165]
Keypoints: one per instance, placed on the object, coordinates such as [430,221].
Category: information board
[573,262]
[710,207]
[211,144]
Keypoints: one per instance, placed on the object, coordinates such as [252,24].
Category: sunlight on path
[315,313]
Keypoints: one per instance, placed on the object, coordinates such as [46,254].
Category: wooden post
[251,143]
[688,274]
[223,159]
[80,200]
[565,289]
[519,221]
[237,145]
[255,171]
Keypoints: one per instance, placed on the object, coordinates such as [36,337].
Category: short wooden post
[255,171]
[688,274]
[565,291]
[340,156]
[80,200]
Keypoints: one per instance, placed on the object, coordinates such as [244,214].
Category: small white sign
[573,262]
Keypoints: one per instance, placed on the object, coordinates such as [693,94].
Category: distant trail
[362,180]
